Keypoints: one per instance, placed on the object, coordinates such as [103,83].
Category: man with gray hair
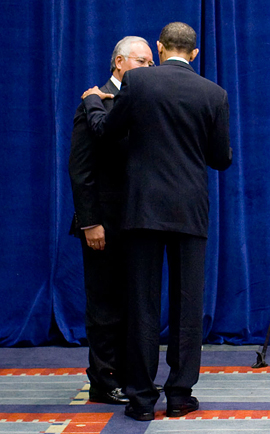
[97,173]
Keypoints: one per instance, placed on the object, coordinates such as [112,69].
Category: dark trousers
[106,312]
[144,253]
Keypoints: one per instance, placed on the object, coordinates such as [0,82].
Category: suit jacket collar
[111,88]
[177,63]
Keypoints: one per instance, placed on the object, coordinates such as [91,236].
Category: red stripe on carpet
[58,371]
[76,423]
[81,371]
[220,414]
[232,369]
[56,417]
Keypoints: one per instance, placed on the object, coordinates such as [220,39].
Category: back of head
[178,37]
[123,47]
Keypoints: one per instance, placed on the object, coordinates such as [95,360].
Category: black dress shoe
[191,404]
[139,415]
[115,396]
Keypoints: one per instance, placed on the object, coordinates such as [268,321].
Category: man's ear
[160,47]
[193,54]
[118,61]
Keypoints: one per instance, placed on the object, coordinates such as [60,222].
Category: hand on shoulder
[96,91]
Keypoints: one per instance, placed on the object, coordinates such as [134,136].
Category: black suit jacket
[178,122]
[96,173]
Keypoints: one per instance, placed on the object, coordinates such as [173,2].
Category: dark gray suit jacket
[178,123]
[96,172]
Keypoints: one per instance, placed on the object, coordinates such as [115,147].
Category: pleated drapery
[51,51]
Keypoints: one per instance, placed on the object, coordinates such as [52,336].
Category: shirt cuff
[89,227]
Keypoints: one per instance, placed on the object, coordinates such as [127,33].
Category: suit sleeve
[82,163]
[219,152]
[115,124]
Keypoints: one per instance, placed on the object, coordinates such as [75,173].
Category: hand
[96,91]
[95,237]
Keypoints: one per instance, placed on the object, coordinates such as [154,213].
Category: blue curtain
[50,52]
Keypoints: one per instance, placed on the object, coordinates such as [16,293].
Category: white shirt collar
[178,58]
[116,82]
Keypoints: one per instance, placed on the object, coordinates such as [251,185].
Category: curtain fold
[51,51]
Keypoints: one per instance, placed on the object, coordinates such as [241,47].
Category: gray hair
[123,48]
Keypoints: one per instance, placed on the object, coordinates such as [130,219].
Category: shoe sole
[141,417]
[180,413]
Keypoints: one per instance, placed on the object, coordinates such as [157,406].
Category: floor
[45,390]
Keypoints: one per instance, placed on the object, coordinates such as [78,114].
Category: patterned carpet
[35,399]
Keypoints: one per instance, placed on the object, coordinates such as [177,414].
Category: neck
[117,75]
[173,53]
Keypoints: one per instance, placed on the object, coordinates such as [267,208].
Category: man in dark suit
[97,177]
[178,123]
